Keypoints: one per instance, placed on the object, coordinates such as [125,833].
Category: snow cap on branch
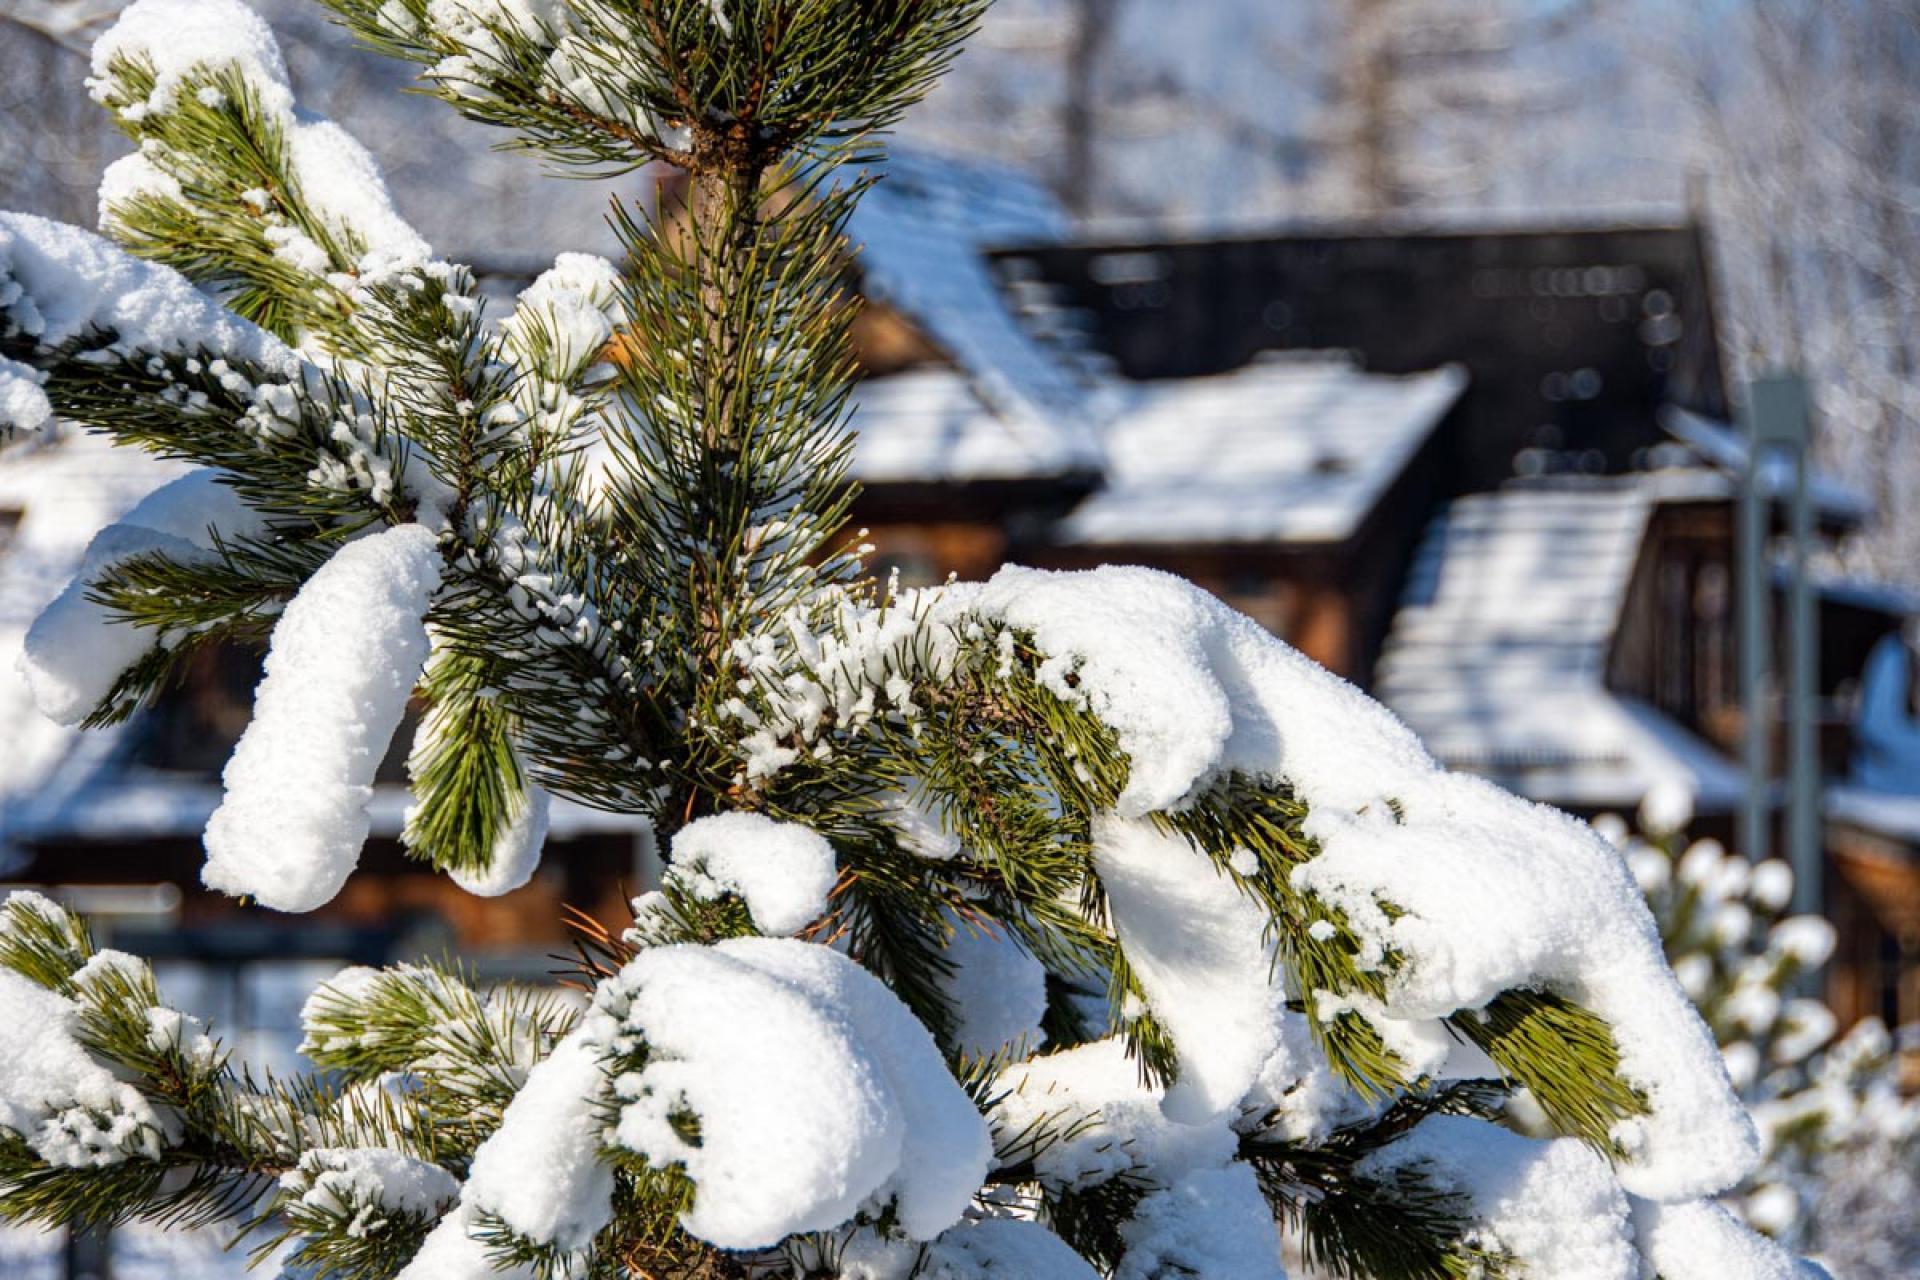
[343,662]
[1701,1238]
[62,1102]
[75,650]
[331,173]
[60,284]
[540,1172]
[1553,1207]
[1201,952]
[816,1091]
[781,870]
[180,37]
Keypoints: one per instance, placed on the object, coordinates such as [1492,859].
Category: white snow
[815,1089]
[540,1171]
[1002,1249]
[66,1105]
[180,37]
[1104,1121]
[567,313]
[516,848]
[1196,943]
[1500,893]
[451,1253]
[23,399]
[330,173]
[920,231]
[919,827]
[1701,1238]
[783,871]
[364,1181]
[134,175]
[74,651]
[1292,447]
[342,664]
[1552,1206]
[1498,654]
[342,185]
[59,283]
[998,991]
[1212,1222]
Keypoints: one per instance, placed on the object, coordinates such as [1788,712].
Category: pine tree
[1058,926]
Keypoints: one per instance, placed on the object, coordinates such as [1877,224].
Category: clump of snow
[564,319]
[55,1095]
[517,845]
[815,1090]
[918,826]
[59,284]
[1213,1222]
[179,38]
[1498,894]
[1667,808]
[540,1172]
[1809,940]
[133,176]
[342,664]
[1199,947]
[368,1183]
[516,848]
[1701,1238]
[343,187]
[23,398]
[1002,1249]
[1553,1207]
[783,871]
[1299,1097]
[1098,1120]
[998,991]
[451,1252]
[75,650]
[1195,691]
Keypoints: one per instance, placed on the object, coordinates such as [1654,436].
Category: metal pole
[1755,815]
[1781,417]
[1803,746]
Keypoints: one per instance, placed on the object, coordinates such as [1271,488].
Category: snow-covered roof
[1497,657]
[1883,813]
[930,426]
[922,235]
[63,489]
[1723,446]
[1295,448]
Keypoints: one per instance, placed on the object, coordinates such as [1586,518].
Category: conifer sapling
[1059,926]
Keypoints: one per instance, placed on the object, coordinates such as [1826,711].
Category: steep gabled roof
[1497,657]
[922,235]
